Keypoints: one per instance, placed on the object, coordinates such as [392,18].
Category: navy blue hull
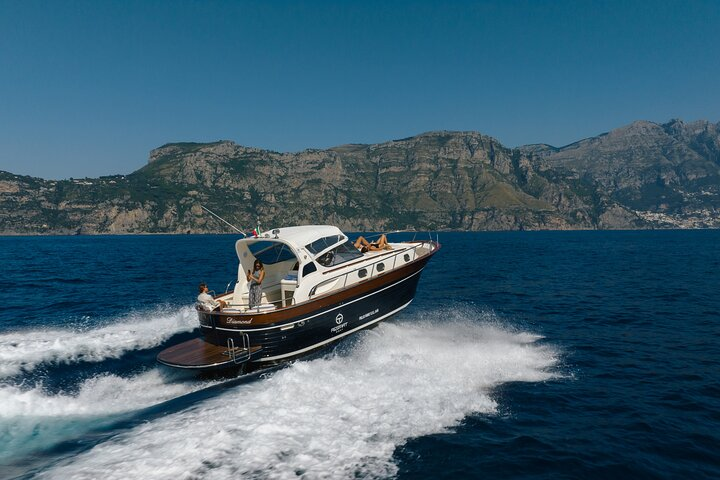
[303,333]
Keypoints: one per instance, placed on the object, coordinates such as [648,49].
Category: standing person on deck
[256,278]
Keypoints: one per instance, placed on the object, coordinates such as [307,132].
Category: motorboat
[318,288]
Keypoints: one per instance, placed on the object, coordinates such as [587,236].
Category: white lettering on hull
[369,314]
[237,321]
[339,328]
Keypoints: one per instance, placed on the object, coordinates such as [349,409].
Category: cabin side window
[362,273]
[309,268]
[271,252]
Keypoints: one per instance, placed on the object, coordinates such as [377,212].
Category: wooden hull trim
[289,333]
[328,322]
[271,317]
[321,312]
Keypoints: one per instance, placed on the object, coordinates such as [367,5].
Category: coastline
[536,230]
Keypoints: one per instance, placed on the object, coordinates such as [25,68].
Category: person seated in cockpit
[207,301]
[380,244]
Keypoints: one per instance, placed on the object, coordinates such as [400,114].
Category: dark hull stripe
[327,323]
[283,325]
[291,313]
[332,339]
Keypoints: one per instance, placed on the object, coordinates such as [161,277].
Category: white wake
[340,416]
[32,419]
[24,350]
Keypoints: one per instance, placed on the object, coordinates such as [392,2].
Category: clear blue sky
[88,88]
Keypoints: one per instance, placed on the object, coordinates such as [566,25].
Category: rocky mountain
[644,175]
[667,174]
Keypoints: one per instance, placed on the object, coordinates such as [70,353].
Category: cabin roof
[300,236]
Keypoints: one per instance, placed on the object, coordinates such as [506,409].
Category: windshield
[343,253]
[319,245]
[271,252]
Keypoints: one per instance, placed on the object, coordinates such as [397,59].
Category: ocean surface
[588,355]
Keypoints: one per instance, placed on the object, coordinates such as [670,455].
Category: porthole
[406,257]
[380,267]
[362,273]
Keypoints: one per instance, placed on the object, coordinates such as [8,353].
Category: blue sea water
[524,355]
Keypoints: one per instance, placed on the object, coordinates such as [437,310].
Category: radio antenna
[223,220]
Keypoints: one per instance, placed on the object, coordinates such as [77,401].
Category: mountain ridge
[642,175]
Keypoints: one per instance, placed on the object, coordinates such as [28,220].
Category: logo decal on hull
[339,328]
[340,324]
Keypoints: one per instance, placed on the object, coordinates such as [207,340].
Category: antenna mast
[223,220]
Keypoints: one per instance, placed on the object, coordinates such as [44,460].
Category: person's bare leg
[361,242]
[383,243]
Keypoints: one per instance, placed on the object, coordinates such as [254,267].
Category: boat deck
[198,354]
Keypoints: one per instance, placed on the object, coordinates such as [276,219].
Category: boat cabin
[306,261]
[318,288]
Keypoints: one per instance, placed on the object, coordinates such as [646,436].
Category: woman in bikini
[380,244]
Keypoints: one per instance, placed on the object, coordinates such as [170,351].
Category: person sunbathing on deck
[380,244]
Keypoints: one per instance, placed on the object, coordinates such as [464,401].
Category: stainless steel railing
[374,271]
[374,266]
[244,350]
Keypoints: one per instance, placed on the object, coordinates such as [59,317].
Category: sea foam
[32,419]
[24,350]
[339,416]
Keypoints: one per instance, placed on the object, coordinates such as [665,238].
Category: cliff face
[644,175]
[669,174]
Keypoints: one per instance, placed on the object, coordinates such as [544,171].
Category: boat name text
[369,314]
[236,321]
